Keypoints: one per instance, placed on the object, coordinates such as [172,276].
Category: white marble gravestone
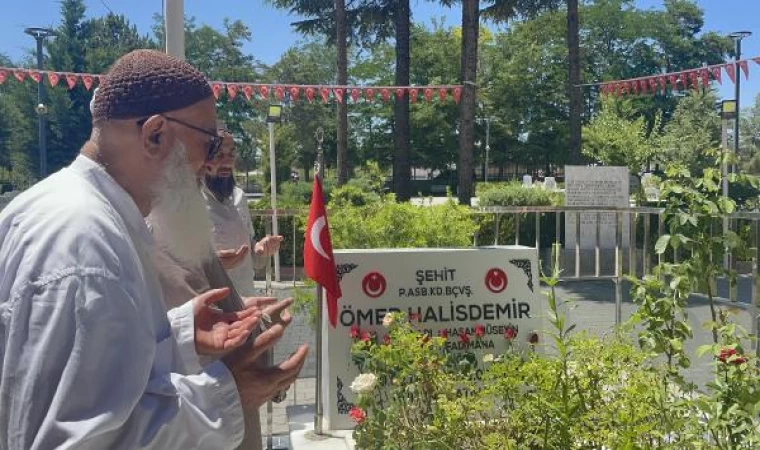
[596,187]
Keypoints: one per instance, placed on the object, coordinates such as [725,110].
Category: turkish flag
[318,260]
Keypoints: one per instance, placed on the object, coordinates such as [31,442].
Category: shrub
[514,194]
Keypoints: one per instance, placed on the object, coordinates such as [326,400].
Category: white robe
[89,358]
[231,220]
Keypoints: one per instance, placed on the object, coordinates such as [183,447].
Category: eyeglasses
[215,141]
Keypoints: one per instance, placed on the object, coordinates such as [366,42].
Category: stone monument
[596,187]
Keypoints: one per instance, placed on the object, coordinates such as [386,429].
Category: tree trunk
[401,136]
[341,39]
[574,80]
[470,32]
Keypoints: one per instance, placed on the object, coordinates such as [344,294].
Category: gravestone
[596,187]
[453,293]
[527,181]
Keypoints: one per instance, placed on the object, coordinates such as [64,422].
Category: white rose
[364,383]
[488,358]
[388,320]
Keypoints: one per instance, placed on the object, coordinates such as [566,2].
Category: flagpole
[320,304]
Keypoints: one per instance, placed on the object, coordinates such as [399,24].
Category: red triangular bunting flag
[339,94]
[318,259]
[217,89]
[652,84]
[53,78]
[731,71]
[369,94]
[310,94]
[716,73]
[442,93]
[3,76]
[705,75]
[385,93]
[279,92]
[264,92]
[294,93]
[663,81]
[635,86]
[457,93]
[71,80]
[355,95]
[694,79]
[399,93]
[248,91]
[325,93]
[673,81]
[19,74]
[756,59]
[745,68]
[232,90]
[88,80]
[428,94]
[413,93]
[683,80]
[36,76]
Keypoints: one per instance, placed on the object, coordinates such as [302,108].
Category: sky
[272,33]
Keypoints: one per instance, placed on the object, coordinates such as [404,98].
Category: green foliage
[613,138]
[515,194]
[589,392]
[693,130]
[390,224]
[694,210]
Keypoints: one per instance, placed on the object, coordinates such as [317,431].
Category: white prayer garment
[232,228]
[89,358]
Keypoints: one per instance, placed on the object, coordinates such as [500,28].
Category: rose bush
[581,392]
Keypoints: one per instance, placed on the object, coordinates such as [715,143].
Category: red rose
[365,336]
[355,332]
[480,331]
[414,316]
[725,354]
[533,338]
[444,333]
[387,339]
[357,414]
[729,355]
[464,337]
[510,333]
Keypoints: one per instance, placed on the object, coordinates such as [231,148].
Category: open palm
[218,332]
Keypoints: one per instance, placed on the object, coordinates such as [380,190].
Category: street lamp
[274,115]
[737,37]
[39,35]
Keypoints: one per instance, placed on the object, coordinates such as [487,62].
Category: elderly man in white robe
[89,356]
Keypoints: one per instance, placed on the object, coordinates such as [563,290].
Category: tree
[618,136]
[341,42]
[574,80]
[694,128]
[468,102]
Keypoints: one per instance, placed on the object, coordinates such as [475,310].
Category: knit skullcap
[143,83]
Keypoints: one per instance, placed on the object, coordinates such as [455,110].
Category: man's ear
[157,137]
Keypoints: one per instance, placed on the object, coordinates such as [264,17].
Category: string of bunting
[256,91]
[676,80]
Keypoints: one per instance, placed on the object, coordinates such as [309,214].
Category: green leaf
[662,244]
[702,349]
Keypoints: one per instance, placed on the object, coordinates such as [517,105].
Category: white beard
[179,219]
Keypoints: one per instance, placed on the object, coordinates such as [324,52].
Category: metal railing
[585,254]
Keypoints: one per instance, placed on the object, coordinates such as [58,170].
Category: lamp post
[174,28]
[274,115]
[39,35]
[737,37]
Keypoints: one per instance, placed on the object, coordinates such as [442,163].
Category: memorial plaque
[596,187]
[457,290]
